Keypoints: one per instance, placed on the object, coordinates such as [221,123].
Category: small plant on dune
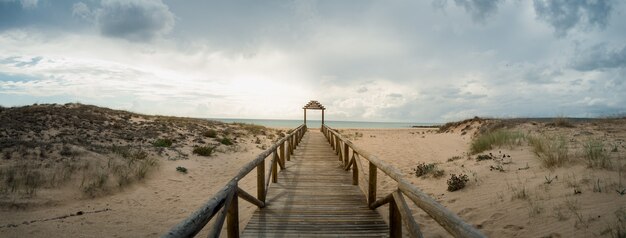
[162,142]
[226,141]
[203,150]
[596,155]
[457,182]
[561,122]
[424,169]
[453,158]
[552,152]
[497,138]
[181,169]
[211,133]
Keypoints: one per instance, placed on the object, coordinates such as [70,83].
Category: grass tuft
[553,152]
[162,143]
[596,155]
[203,150]
[489,140]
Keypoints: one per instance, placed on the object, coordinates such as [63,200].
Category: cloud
[26,4]
[81,10]
[479,9]
[565,15]
[600,57]
[135,20]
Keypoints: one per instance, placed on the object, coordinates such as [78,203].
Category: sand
[517,202]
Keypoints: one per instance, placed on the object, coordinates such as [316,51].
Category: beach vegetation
[211,133]
[553,152]
[457,182]
[162,142]
[226,141]
[596,154]
[423,169]
[203,150]
[561,122]
[181,169]
[252,128]
[497,138]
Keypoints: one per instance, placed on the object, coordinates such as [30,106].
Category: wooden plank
[232,216]
[314,196]
[447,219]
[395,219]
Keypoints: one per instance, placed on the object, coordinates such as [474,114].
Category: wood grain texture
[314,197]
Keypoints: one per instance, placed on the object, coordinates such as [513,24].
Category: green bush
[203,150]
[424,169]
[181,169]
[488,140]
[226,141]
[457,182]
[162,143]
[210,133]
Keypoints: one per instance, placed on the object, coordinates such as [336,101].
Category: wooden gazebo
[314,105]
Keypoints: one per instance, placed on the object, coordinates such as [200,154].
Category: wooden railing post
[355,170]
[371,191]
[275,168]
[260,181]
[395,220]
[232,216]
[288,152]
[346,152]
[282,153]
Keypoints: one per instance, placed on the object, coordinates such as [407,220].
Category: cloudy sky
[415,61]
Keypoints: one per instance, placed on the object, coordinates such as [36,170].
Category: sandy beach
[512,197]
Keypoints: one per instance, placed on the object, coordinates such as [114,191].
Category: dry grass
[497,138]
[553,152]
[596,154]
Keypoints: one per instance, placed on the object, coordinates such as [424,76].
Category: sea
[318,123]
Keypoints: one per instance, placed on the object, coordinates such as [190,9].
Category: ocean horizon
[286,123]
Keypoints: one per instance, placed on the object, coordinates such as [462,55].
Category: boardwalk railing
[224,203]
[398,209]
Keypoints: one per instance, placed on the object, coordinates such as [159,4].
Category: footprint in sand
[466,210]
[494,217]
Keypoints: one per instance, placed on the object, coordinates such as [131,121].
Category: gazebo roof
[314,105]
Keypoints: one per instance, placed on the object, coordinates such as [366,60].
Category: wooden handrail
[447,219]
[225,199]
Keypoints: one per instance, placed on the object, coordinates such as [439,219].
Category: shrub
[457,182]
[553,152]
[210,133]
[181,169]
[424,169]
[483,157]
[203,150]
[561,122]
[162,143]
[596,155]
[226,141]
[252,128]
[488,140]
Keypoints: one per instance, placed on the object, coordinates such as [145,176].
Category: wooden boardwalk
[315,197]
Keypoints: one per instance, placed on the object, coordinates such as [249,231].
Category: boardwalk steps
[314,196]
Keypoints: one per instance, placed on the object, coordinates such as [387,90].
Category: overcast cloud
[422,61]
